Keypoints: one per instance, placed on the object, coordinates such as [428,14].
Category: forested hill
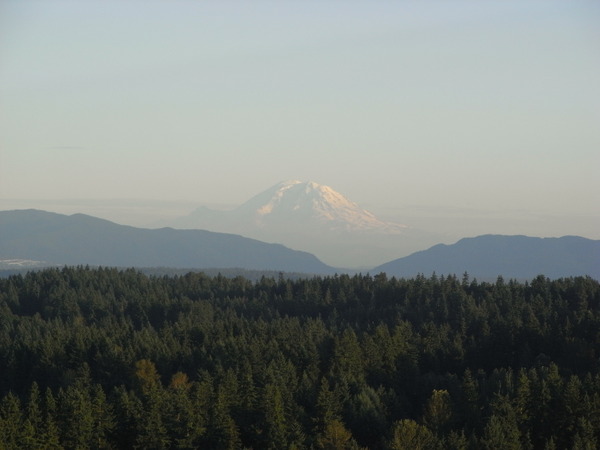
[82,239]
[102,358]
[519,257]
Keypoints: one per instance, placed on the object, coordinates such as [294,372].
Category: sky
[476,116]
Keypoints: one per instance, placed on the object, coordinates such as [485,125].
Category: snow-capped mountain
[311,204]
[307,216]
[291,206]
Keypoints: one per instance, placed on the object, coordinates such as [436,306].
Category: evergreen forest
[104,358]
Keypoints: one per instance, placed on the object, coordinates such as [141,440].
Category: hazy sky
[472,106]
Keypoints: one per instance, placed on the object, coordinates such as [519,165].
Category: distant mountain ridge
[57,239]
[488,256]
[81,239]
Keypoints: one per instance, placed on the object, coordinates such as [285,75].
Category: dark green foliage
[102,358]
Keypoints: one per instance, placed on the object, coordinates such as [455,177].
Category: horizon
[457,224]
[449,223]
[456,254]
[452,118]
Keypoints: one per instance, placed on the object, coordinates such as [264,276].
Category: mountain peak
[310,216]
[314,205]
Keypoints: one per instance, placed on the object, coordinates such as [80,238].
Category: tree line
[106,358]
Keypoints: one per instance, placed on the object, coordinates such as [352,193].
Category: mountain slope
[81,239]
[312,204]
[293,205]
[520,257]
[311,217]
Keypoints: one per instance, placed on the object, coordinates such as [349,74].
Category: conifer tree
[50,432]
[11,421]
[502,432]
[438,411]
[409,435]
[103,417]
[335,436]
[77,421]
[275,420]
[33,419]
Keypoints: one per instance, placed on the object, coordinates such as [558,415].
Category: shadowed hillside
[81,239]
[519,257]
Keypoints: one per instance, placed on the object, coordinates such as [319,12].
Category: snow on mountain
[311,204]
[311,217]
